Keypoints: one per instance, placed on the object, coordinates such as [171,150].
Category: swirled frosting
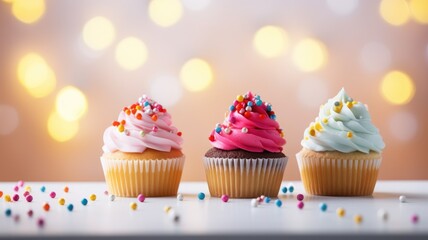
[144,124]
[343,125]
[249,125]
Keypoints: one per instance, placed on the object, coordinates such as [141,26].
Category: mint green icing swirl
[343,125]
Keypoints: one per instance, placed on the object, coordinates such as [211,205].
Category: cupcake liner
[338,177]
[244,178]
[153,178]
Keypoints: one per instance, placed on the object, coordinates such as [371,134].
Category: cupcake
[142,152]
[342,150]
[246,159]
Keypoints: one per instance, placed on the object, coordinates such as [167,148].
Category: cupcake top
[343,125]
[249,125]
[144,124]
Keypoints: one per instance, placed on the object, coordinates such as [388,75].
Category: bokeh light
[419,10]
[342,7]
[312,92]
[71,103]
[165,13]
[375,57]
[196,75]
[98,33]
[397,122]
[397,88]
[9,119]
[166,89]
[196,5]
[60,129]
[28,11]
[131,53]
[310,55]
[394,12]
[270,41]
[36,75]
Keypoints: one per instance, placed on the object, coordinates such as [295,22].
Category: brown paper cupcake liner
[244,178]
[153,178]
[338,177]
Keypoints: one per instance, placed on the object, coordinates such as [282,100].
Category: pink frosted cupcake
[246,160]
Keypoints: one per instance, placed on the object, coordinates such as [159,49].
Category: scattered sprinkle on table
[93,197]
[141,198]
[111,197]
[254,203]
[358,218]
[46,207]
[84,201]
[300,205]
[300,197]
[201,196]
[278,203]
[402,199]
[340,212]
[224,198]
[70,207]
[323,207]
[52,194]
[284,189]
[133,206]
[61,201]
[29,198]
[382,214]
[180,197]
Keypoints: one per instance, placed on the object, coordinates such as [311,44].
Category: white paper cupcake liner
[153,178]
[244,178]
[338,177]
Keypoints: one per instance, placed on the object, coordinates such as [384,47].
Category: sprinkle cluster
[144,107]
[317,127]
[248,106]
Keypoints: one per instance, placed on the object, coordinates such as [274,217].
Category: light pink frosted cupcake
[142,152]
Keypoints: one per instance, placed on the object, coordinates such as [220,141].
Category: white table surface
[212,217]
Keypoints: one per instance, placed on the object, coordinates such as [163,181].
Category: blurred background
[67,68]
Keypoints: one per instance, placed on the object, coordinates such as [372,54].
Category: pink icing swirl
[250,125]
[145,124]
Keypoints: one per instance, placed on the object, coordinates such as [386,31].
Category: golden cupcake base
[338,174]
[151,177]
[244,178]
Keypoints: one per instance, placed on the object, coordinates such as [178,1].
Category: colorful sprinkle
[16,188]
[201,196]
[26,193]
[358,218]
[284,189]
[40,222]
[7,198]
[15,197]
[402,199]
[141,198]
[225,198]
[8,212]
[29,198]
[1,194]
[46,207]
[93,197]
[340,212]
[84,201]
[112,197]
[66,189]
[61,201]
[30,213]
[173,216]
[267,199]
[16,218]
[278,203]
[239,98]
[27,188]
[382,214]
[133,206]
[415,218]
[20,183]
[52,194]
[300,197]
[291,189]
[254,203]
[323,207]
[167,209]
[300,205]
[43,189]
[180,197]
[349,134]
[70,207]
